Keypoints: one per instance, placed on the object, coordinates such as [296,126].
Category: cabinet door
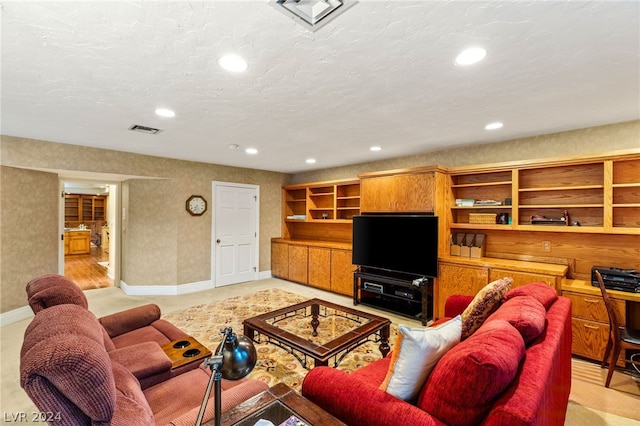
[79,243]
[406,193]
[521,278]
[298,266]
[280,260]
[341,272]
[320,267]
[457,279]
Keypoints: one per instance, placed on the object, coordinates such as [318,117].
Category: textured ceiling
[382,73]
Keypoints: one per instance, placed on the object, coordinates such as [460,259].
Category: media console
[401,293]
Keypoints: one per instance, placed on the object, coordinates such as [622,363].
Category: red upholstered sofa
[68,373]
[132,337]
[537,395]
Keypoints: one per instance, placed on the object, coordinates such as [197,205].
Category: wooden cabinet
[77,242]
[589,319]
[411,190]
[468,276]
[280,259]
[320,267]
[298,263]
[325,265]
[457,279]
[341,272]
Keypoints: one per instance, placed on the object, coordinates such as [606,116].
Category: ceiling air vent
[144,129]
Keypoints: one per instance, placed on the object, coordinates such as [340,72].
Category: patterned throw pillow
[483,304]
[417,351]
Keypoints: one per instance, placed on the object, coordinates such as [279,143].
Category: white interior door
[235,233]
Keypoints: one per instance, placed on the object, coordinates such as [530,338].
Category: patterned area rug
[275,364]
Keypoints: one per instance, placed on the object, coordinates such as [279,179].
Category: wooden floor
[85,270]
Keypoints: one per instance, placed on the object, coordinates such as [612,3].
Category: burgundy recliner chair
[132,337]
[68,373]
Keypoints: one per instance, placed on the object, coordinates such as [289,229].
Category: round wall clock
[196,205]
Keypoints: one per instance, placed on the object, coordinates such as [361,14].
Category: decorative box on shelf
[482,218]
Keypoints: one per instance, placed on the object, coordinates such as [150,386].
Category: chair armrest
[356,401]
[143,360]
[130,319]
[240,392]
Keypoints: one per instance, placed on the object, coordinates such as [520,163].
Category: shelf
[503,207]
[561,188]
[560,206]
[322,194]
[476,185]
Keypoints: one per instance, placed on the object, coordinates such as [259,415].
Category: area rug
[275,364]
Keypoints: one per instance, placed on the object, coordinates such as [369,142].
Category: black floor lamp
[235,358]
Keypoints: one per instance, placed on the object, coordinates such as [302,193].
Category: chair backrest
[614,324]
[51,290]
[65,368]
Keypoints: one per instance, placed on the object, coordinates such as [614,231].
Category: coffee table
[319,330]
[277,404]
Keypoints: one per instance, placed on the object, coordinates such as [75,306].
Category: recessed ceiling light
[164,112]
[376,148]
[311,160]
[493,126]
[471,56]
[251,151]
[233,63]
[234,146]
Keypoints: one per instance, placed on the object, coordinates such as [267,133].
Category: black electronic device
[617,278]
[397,242]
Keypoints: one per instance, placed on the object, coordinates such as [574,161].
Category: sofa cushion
[471,376]
[129,396]
[417,350]
[483,304]
[52,289]
[542,292]
[525,313]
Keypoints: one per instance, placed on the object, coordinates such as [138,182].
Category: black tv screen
[402,243]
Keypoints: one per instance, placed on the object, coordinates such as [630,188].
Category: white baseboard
[25,312]
[164,290]
[15,315]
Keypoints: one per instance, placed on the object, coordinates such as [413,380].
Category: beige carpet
[590,402]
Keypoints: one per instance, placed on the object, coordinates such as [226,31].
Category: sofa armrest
[456,304]
[143,360]
[130,319]
[357,402]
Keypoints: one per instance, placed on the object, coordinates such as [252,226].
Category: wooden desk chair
[619,337]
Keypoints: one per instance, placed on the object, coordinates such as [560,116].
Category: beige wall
[162,244]
[28,231]
[578,142]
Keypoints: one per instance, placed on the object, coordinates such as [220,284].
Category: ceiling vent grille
[144,129]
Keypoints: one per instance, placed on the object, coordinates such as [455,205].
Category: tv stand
[405,294]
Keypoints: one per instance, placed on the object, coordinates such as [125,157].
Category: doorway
[88,227]
[235,233]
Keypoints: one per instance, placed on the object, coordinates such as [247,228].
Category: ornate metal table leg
[315,311]
[384,341]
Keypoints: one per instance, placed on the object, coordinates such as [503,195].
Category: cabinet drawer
[589,338]
[592,308]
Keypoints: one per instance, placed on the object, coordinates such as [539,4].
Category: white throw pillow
[416,353]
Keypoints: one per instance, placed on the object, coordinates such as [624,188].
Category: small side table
[185,351]
[277,404]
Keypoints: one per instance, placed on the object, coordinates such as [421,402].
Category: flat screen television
[397,242]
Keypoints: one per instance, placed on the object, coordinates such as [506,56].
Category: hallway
[89,271]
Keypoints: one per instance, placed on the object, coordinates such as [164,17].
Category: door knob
[218,241]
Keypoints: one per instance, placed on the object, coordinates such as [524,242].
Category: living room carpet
[275,364]
[590,402]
